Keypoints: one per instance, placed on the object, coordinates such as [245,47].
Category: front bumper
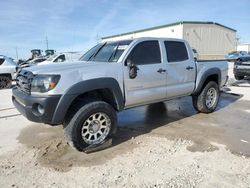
[27,105]
[241,72]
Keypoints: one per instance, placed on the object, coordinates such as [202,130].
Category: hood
[55,68]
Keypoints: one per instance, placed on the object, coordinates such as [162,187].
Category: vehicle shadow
[168,119]
[143,120]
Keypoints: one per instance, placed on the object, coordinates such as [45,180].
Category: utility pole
[47,42]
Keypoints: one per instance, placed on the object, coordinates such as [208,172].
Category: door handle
[161,70]
[189,68]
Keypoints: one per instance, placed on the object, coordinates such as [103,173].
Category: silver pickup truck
[84,96]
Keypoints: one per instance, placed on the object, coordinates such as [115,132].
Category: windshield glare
[106,52]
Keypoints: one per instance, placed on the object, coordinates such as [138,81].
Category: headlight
[44,83]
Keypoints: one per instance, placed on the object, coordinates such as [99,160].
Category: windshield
[106,52]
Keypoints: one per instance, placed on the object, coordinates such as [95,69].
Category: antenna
[97,38]
[16,53]
[47,42]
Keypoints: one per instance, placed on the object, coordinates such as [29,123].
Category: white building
[243,47]
[210,39]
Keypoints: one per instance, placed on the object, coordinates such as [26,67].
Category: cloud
[75,24]
[106,20]
[26,23]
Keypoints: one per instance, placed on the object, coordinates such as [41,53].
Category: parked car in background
[38,60]
[56,58]
[31,62]
[7,71]
[242,68]
[237,55]
[62,57]
[196,56]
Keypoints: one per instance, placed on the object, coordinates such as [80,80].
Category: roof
[168,25]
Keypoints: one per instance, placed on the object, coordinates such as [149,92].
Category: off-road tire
[5,82]
[73,129]
[199,100]
[238,77]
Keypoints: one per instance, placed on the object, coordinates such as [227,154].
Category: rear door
[150,84]
[181,69]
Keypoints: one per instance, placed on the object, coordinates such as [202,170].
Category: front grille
[23,81]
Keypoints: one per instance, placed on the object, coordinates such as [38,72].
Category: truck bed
[204,66]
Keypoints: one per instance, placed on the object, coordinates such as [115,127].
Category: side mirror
[132,69]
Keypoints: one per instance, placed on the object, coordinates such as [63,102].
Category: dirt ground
[160,145]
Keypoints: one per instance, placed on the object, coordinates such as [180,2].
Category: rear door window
[176,51]
[1,61]
[147,52]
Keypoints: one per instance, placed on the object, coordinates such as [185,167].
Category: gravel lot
[160,145]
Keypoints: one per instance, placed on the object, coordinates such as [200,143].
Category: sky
[77,25]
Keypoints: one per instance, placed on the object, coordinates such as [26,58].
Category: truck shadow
[156,118]
[173,120]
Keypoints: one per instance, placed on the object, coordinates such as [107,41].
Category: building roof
[168,25]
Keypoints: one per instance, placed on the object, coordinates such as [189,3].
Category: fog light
[40,109]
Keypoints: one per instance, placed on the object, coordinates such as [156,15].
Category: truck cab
[164,67]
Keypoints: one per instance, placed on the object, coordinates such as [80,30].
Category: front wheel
[207,100]
[91,125]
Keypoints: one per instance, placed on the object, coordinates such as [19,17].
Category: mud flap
[97,147]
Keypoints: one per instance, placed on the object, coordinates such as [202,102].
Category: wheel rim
[211,97]
[96,128]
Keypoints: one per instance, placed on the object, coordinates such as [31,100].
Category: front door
[149,85]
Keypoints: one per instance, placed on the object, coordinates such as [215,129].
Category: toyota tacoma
[84,96]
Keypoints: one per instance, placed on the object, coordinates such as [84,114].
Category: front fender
[85,86]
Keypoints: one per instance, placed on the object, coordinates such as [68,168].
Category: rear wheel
[5,82]
[239,77]
[91,125]
[207,100]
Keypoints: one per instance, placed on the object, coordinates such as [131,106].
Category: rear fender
[205,76]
